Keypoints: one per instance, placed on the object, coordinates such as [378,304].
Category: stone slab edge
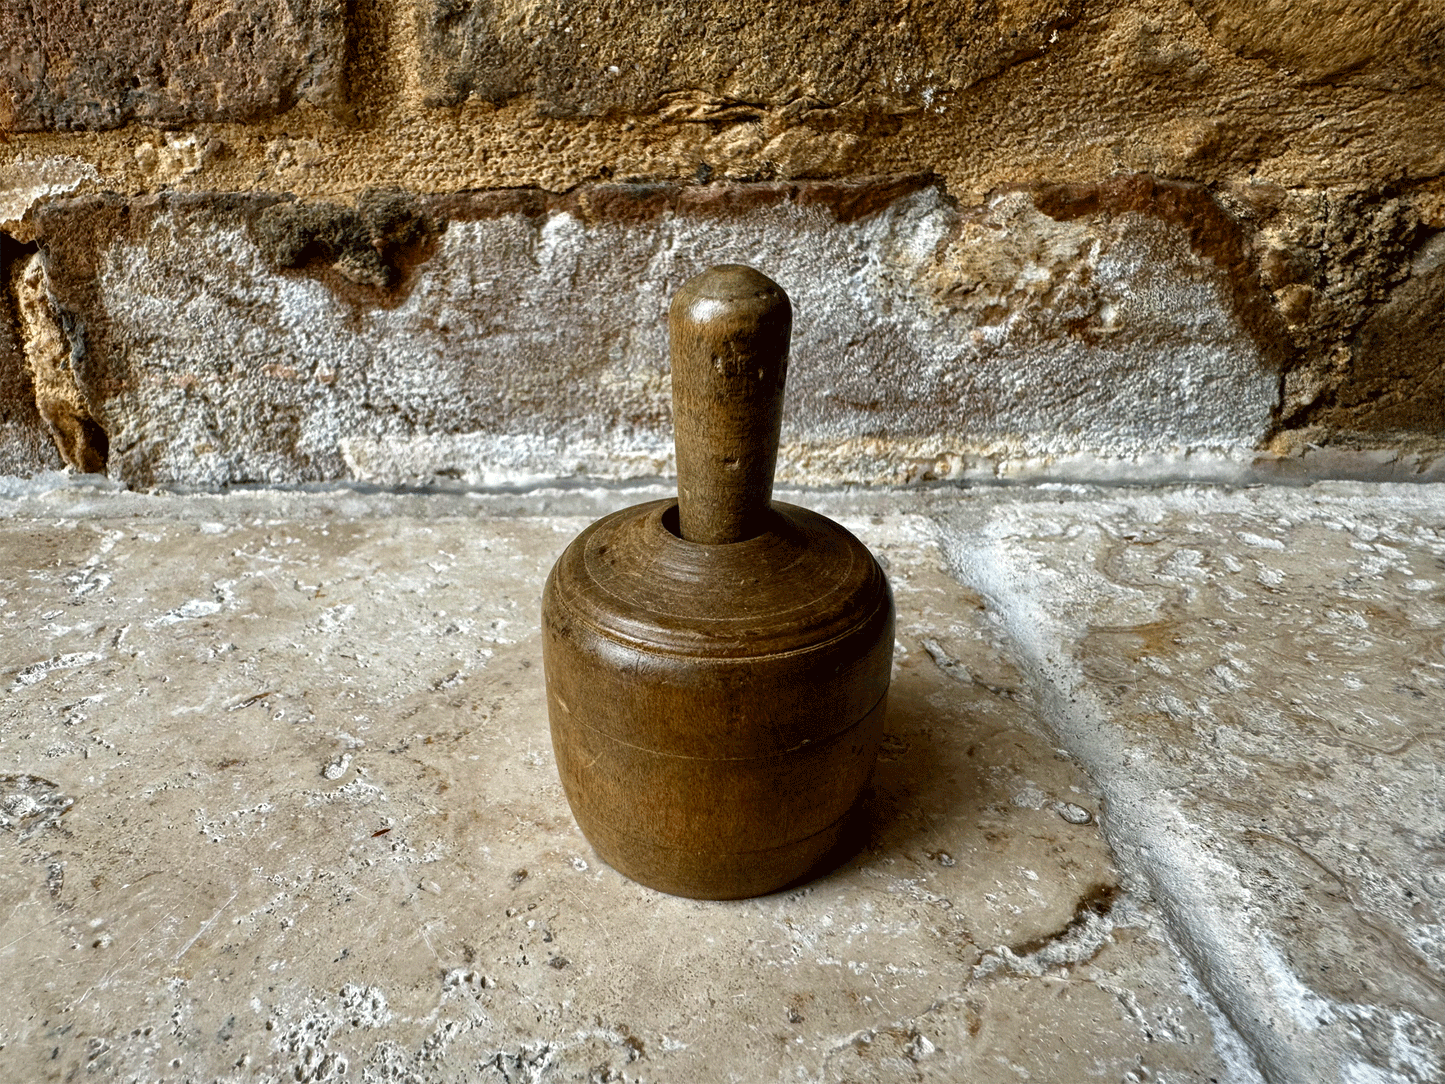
[1197,892]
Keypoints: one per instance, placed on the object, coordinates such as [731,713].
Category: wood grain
[716,693]
[730,328]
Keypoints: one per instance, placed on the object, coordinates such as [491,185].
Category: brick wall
[306,240]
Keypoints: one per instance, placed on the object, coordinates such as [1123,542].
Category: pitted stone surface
[86,64]
[284,807]
[527,339]
[1336,42]
[1395,385]
[731,62]
[25,445]
[1257,682]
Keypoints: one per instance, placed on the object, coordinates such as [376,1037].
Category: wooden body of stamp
[717,666]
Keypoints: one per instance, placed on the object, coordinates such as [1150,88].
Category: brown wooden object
[717,666]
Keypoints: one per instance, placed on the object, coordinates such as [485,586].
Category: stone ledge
[283,804]
[1256,681]
[1242,688]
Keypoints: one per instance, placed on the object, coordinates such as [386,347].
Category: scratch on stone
[133,946]
[29,675]
[205,926]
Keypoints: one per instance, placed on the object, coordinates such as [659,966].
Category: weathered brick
[91,64]
[1388,46]
[507,336]
[1396,383]
[724,61]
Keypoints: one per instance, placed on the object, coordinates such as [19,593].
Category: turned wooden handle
[730,328]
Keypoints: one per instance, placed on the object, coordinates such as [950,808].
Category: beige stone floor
[1158,801]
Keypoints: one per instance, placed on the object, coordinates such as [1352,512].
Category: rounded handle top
[730,327]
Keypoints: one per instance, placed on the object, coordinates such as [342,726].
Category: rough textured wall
[25,447]
[303,240]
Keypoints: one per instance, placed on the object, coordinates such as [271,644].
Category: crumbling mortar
[1353,255]
[53,344]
